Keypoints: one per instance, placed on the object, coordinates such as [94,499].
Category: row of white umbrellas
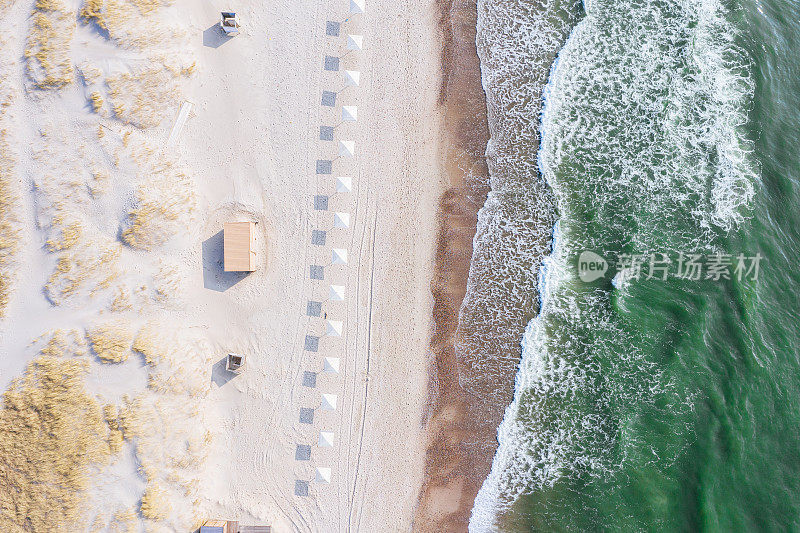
[347,148]
[356,6]
[352,78]
[323,474]
[344,184]
[349,113]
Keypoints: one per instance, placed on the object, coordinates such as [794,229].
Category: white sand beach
[117,262]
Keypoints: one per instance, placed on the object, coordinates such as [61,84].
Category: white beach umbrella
[339,256]
[347,148]
[326,439]
[352,77]
[349,113]
[333,328]
[356,6]
[341,220]
[337,293]
[329,402]
[331,365]
[355,42]
[323,475]
[344,184]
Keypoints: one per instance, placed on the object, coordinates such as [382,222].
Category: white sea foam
[644,111]
[515,223]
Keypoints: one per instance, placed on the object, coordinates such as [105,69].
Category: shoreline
[453,471]
[479,322]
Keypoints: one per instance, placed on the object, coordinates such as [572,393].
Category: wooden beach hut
[239,243]
[217,526]
[230,526]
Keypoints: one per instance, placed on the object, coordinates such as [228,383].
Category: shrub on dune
[51,432]
[49,43]
[111,342]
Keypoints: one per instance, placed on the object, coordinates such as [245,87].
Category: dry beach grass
[103,194]
[49,45]
[52,432]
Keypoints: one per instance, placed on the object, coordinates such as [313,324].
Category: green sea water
[669,127]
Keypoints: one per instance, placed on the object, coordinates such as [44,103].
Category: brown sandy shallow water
[454,472]
[484,297]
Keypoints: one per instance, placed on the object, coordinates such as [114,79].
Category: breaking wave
[644,150]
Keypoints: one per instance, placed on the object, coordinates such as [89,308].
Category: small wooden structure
[229,23]
[234,363]
[218,526]
[230,526]
[239,246]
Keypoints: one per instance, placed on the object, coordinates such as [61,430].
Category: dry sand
[265,168]
[119,252]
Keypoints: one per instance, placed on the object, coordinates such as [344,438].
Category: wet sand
[454,469]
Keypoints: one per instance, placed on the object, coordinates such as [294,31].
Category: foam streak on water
[642,145]
[516,48]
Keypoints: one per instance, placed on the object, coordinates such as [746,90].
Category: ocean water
[669,127]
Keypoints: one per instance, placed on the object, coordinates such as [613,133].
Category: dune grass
[99,183]
[155,503]
[141,98]
[111,342]
[121,301]
[163,424]
[97,101]
[147,344]
[86,268]
[115,435]
[163,206]
[69,233]
[90,73]
[125,521]
[9,227]
[51,432]
[116,16]
[168,285]
[166,425]
[49,43]
[64,342]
